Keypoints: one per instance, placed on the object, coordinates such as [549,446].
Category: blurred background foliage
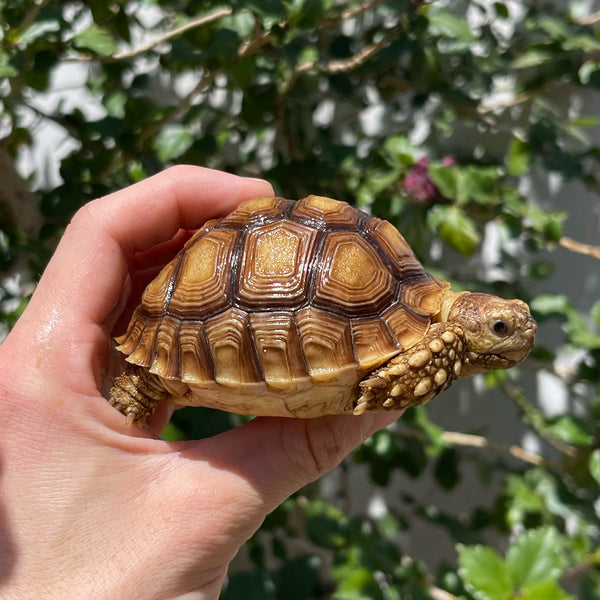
[434,115]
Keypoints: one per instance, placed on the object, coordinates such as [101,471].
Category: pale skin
[91,508]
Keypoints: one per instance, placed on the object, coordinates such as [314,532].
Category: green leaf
[594,464]
[567,429]
[6,68]
[587,70]
[544,590]
[325,524]
[533,58]
[556,28]
[478,184]
[96,39]
[171,142]
[356,583]
[38,29]
[519,157]
[583,122]
[535,556]
[445,178]
[451,26]
[455,228]
[551,304]
[485,574]
[399,151]
[595,312]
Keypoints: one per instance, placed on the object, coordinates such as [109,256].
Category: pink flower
[418,184]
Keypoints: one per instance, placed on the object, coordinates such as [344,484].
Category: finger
[278,456]
[92,258]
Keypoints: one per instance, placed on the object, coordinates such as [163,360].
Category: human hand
[90,508]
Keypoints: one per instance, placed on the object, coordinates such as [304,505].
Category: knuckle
[317,448]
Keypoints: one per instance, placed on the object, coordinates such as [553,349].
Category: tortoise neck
[448,301]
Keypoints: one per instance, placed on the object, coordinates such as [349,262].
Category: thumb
[278,456]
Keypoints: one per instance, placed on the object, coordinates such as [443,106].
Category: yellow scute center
[352,266]
[277,253]
[201,263]
[322,203]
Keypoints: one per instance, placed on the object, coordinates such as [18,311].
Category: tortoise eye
[500,327]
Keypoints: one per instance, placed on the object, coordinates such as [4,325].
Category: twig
[435,592]
[477,441]
[439,594]
[580,247]
[588,19]
[167,35]
[346,64]
[535,419]
[350,13]
[589,561]
[31,15]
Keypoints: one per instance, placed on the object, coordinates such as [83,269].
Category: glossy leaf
[544,590]
[535,557]
[96,39]
[456,228]
[594,464]
[485,574]
[172,142]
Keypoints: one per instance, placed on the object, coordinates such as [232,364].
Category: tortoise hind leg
[416,375]
[136,393]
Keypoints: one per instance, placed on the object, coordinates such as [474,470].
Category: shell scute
[202,284]
[196,366]
[279,349]
[232,348]
[274,265]
[373,342]
[256,211]
[166,349]
[352,277]
[407,326]
[326,213]
[326,342]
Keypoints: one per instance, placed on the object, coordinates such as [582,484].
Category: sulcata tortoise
[303,309]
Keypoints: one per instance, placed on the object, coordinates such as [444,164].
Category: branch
[32,14]
[589,561]
[478,441]
[167,35]
[535,419]
[589,19]
[579,247]
[435,592]
[343,65]
[351,13]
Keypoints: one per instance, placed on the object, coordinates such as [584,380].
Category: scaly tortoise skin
[303,309]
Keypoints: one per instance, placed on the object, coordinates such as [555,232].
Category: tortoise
[307,308]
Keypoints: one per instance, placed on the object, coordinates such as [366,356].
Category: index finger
[84,280]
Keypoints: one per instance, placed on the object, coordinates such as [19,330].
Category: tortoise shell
[281,308]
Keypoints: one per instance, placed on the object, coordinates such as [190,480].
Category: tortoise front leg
[416,375]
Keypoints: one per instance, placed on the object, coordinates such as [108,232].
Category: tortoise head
[499,332]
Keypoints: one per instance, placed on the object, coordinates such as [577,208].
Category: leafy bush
[438,116]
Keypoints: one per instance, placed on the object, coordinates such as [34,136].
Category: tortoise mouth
[479,363]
